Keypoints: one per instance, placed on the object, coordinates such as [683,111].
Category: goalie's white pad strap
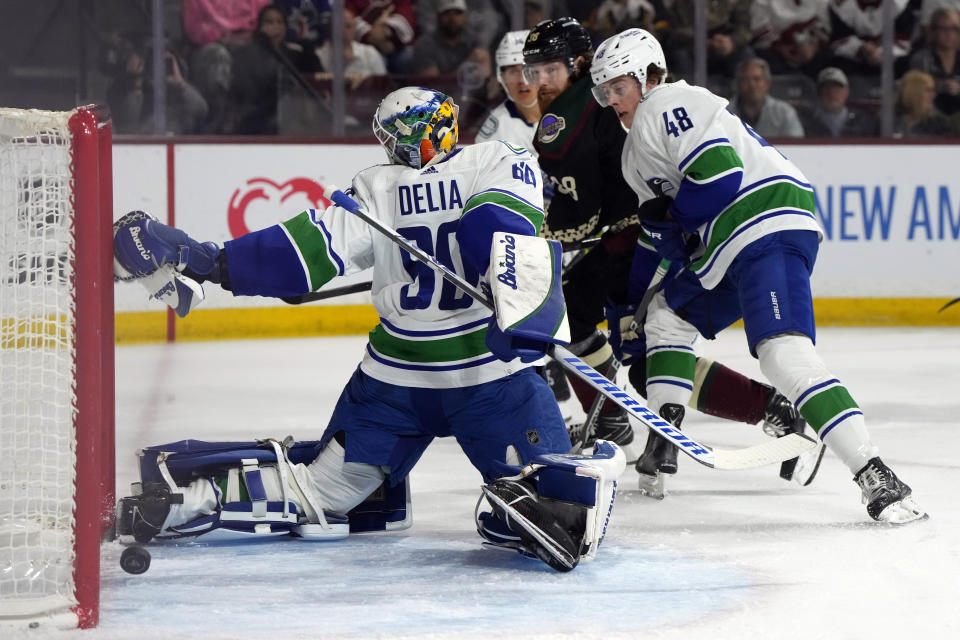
[526,287]
[293,476]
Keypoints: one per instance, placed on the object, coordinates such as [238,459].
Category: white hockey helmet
[416,126]
[629,52]
[510,52]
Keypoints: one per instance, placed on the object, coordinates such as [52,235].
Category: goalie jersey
[430,334]
[727,183]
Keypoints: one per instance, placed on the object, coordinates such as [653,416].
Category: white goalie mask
[416,126]
[509,52]
[628,53]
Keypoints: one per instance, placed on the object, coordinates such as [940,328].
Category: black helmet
[561,39]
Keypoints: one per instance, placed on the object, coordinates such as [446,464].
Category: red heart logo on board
[268,202]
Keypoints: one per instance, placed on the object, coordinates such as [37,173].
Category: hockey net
[56,364]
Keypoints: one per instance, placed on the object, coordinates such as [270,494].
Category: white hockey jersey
[684,143]
[430,334]
[506,123]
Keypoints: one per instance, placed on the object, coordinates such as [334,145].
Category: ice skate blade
[902,512]
[652,486]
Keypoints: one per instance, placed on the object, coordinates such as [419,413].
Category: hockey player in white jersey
[515,119]
[721,200]
[438,364]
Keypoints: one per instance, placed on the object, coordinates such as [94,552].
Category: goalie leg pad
[257,488]
[557,508]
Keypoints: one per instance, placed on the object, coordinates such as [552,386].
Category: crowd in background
[790,68]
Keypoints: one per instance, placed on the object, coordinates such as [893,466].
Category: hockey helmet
[416,126]
[509,52]
[563,39]
[630,52]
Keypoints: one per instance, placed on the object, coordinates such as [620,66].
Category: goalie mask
[629,53]
[417,127]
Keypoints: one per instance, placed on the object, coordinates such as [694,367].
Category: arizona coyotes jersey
[430,334]
[505,123]
[579,146]
[728,183]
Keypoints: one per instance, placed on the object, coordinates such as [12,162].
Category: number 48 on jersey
[682,123]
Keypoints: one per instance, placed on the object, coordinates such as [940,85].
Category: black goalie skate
[142,516]
[888,499]
[541,535]
[659,456]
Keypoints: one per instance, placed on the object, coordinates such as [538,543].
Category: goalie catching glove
[166,261]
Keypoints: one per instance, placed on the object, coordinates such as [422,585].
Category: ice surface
[725,555]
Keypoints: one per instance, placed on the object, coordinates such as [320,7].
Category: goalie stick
[313,296]
[778,450]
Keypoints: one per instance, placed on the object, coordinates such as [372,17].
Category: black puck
[135,559]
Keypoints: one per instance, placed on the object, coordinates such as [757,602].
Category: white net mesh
[37,358]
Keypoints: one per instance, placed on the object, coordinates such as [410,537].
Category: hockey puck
[135,559]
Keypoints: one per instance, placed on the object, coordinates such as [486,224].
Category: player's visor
[616,89]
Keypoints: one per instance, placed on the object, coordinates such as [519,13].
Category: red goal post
[57,459]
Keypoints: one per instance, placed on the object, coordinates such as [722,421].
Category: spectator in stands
[792,36]
[230,22]
[212,74]
[130,96]
[614,16]
[389,26]
[485,22]
[308,21]
[258,68]
[832,116]
[728,36]
[857,30]
[929,6]
[451,49]
[916,114]
[941,58]
[360,60]
[770,117]
[534,12]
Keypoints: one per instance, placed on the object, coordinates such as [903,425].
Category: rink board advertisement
[890,214]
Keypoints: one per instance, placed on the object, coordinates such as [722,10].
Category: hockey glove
[627,342]
[655,209]
[142,244]
[671,241]
[507,347]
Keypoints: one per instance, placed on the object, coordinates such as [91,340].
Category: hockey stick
[638,314]
[313,296]
[949,304]
[778,450]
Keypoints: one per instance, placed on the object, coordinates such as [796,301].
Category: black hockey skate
[614,427]
[781,418]
[659,456]
[542,535]
[888,499]
[142,516]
